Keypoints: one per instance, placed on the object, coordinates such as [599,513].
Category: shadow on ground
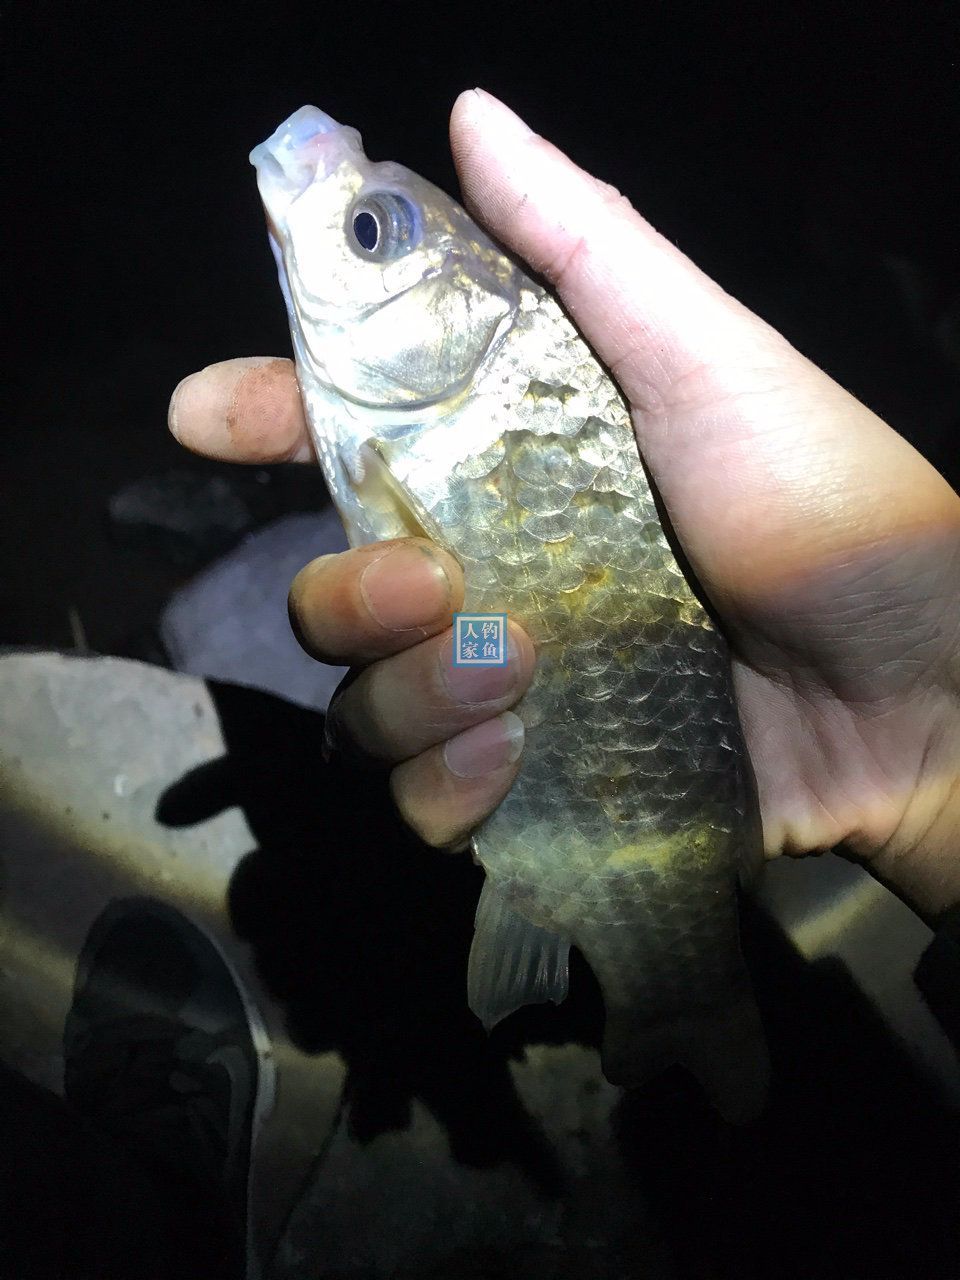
[362,933]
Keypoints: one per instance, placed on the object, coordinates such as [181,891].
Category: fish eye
[382,225]
[366,229]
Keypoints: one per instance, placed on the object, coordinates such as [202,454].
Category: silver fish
[449,394]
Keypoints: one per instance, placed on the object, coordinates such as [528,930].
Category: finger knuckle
[416,815]
[612,197]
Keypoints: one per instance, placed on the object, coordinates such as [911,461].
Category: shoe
[160,1053]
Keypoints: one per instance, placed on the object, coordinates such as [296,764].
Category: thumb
[595,249]
[767,467]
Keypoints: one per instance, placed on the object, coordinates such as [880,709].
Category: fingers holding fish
[386,609]
[396,709]
[364,604]
[444,793]
[244,410]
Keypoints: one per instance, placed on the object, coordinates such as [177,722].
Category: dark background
[806,157]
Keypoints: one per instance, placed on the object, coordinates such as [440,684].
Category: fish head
[395,296]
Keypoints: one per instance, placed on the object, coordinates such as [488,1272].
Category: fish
[449,395]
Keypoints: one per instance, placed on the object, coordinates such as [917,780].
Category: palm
[844,687]
[838,585]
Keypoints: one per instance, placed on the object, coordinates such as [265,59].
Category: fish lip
[287,161]
[305,124]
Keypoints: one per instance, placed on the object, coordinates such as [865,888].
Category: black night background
[807,157]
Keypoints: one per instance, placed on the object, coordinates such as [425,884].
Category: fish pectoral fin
[512,962]
[723,1048]
[389,502]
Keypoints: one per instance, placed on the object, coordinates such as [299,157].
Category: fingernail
[176,400]
[473,685]
[406,588]
[500,115]
[485,747]
[311,568]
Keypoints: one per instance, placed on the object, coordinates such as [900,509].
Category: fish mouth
[306,124]
[307,143]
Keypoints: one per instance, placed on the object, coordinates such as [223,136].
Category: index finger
[245,410]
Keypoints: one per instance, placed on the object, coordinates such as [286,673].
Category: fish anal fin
[512,962]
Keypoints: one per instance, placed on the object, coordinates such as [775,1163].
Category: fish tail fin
[723,1047]
[512,962]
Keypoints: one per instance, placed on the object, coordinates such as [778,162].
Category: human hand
[828,546]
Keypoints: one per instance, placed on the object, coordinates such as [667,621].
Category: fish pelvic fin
[723,1047]
[512,962]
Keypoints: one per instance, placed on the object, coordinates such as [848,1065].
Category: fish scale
[632,813]
[656,853]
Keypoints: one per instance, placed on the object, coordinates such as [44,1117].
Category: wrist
[921,859]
